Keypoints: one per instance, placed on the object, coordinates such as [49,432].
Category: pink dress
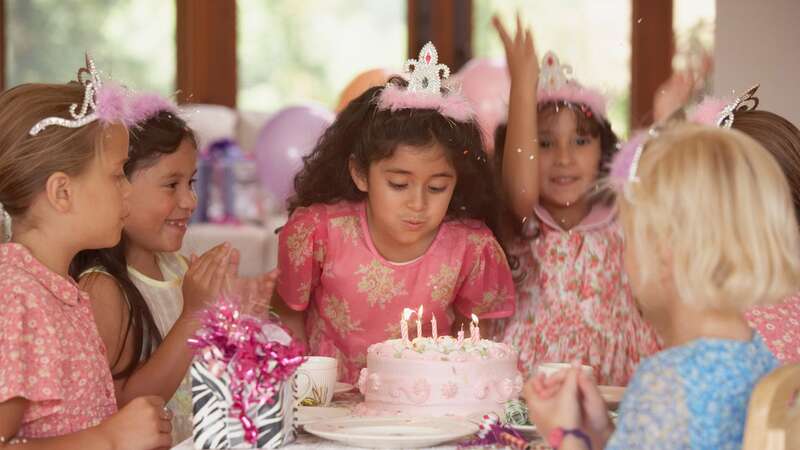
[779,325]
[50,351]
[574,302]
[355,297]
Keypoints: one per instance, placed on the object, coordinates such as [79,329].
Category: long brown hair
[781,138]
[158,136]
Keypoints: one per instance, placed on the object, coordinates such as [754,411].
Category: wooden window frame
[207,60]
[206,51]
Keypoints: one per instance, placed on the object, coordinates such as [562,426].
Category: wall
[759,42]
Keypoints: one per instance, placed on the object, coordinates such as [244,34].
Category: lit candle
[474,331]
[419,321]
[404,324]
[434,331]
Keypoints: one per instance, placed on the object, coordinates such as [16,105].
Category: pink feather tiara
[555,85]
[711,112]
[106,102]
[425,78]
[144,105]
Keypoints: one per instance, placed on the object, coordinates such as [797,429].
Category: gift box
[212,422]
[242,381]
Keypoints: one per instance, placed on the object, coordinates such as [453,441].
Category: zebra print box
[214,428]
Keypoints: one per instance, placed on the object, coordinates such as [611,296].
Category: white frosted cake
[438,377]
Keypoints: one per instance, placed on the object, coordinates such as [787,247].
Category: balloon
[486,84]
[288,136]
[362,82]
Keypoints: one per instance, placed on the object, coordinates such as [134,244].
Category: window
[131,40]
[693,25]
[593,37]
[296,51]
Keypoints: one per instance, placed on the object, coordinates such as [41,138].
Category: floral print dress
[779,325]
[50,351]
[355,298]
[574,302]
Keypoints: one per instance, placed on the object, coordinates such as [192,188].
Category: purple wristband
[558,434]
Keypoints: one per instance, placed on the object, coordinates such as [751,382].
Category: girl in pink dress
[574,301]
[61,182]
[394,209]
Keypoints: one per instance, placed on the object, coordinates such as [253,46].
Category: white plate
[309,414]
[392,432]
[342,387]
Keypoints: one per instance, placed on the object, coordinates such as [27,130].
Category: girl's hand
[595,418]
[672,95]
[255,294]
[205,277]
[143,424]
[523,63]
[554,401]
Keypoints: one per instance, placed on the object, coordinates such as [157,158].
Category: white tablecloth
[306,441]
[257,245]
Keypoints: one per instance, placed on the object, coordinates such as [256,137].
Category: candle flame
[474,319]
[419,312]
[407,312]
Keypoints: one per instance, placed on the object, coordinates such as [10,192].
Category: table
[311,442]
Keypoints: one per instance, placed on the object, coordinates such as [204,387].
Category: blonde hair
[719,204]
[26,162]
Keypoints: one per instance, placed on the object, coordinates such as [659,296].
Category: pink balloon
[486,84]
[288,136]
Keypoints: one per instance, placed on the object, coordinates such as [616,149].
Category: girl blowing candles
[394,208]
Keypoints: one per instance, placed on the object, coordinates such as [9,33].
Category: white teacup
[549,369]
[316,381]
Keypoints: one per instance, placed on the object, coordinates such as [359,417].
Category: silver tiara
[745,102]
[89,77]
[426,74]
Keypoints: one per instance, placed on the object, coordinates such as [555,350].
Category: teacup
[316,381]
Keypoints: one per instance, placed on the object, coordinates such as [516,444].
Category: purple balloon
[288,136]
[486,84]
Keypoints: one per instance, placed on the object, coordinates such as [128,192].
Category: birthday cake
[438,376]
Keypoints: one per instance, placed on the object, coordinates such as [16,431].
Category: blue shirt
[692,397]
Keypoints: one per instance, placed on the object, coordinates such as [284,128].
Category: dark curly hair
[159,135]
[365,134]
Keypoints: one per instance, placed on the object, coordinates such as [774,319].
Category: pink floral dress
[779,325]
[354,297]
[50,351]
[574,302]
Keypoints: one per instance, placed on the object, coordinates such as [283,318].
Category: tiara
[425,77]
[711,111]
[145,105]
[107,102]
[557,85]
[717,112]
